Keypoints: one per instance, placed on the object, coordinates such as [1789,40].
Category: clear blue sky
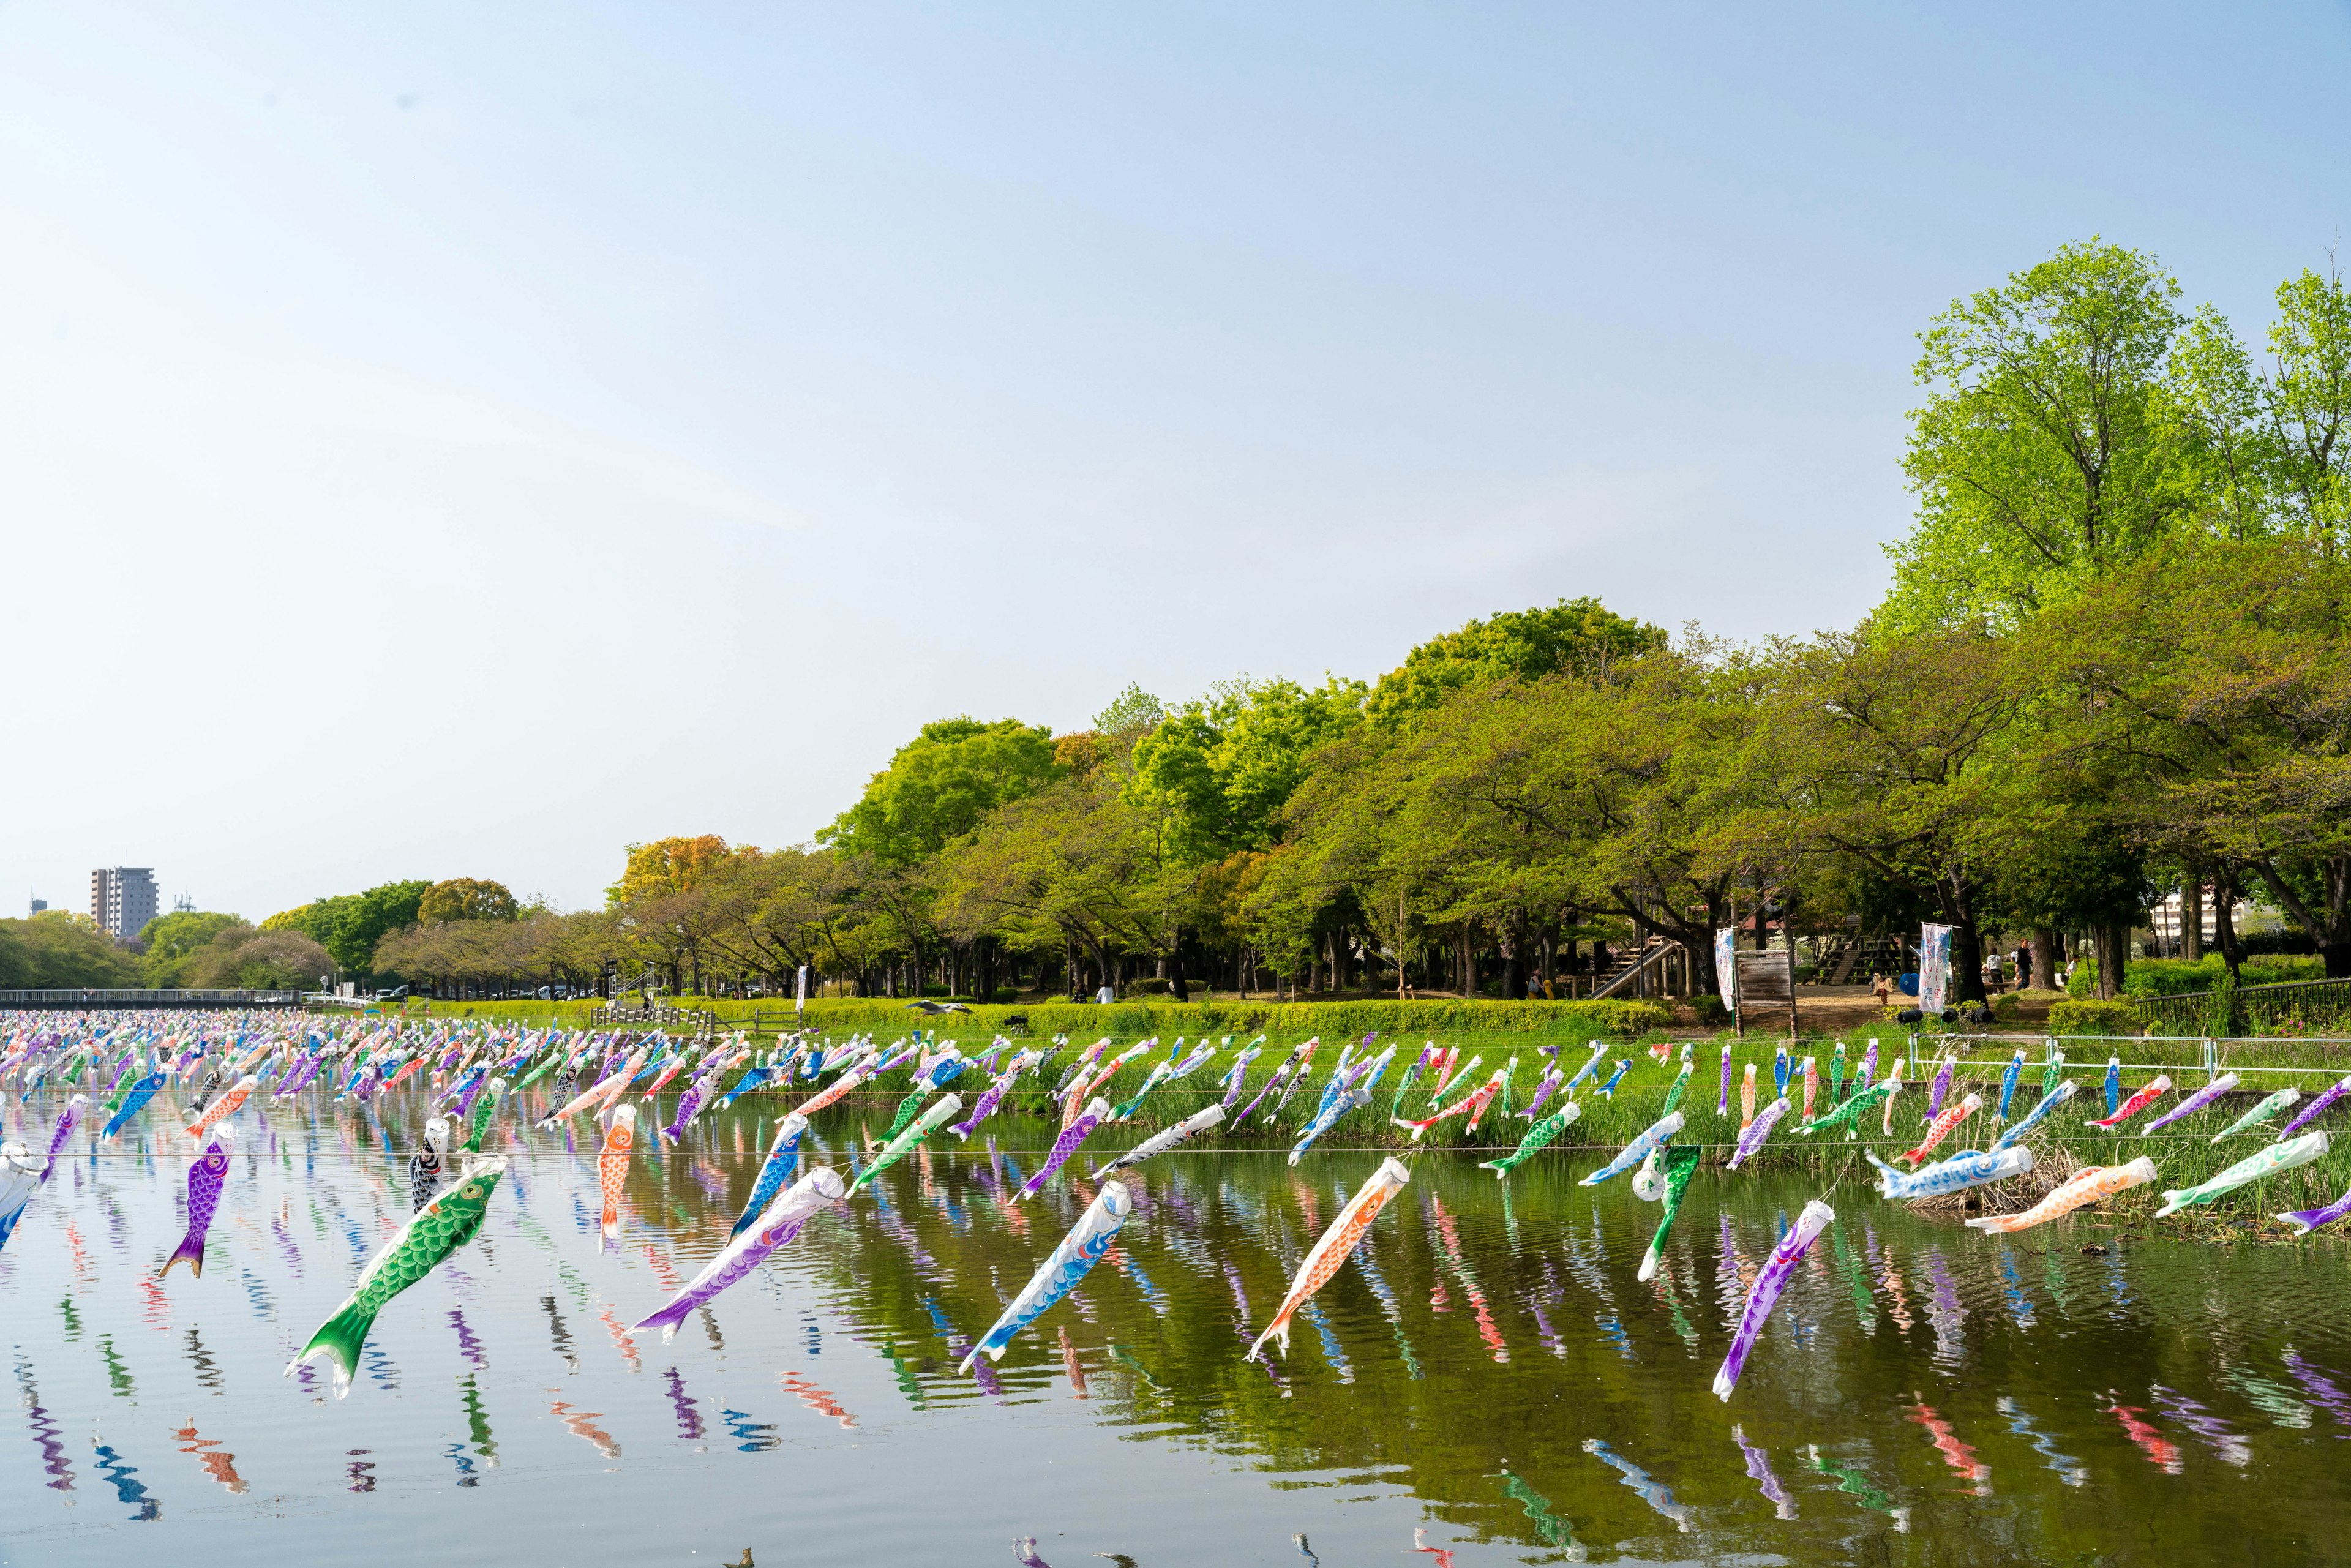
[762,380]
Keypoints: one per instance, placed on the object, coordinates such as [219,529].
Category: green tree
[465,898]
[2047,453]
[2218,677]
[368,918]
[1896,755]
[316,920]
[1578,637]
[170,944]
[939,786]
[1226,765]
[2306,402]
[58,949]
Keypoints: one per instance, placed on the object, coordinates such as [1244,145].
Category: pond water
[1488,1372]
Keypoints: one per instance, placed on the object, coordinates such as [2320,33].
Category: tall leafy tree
[1579,637]
[940,785]
[1896,754]
[1224,767]
[2220,675]
[169,943]
[2046,453]
[673,865]
[465,898]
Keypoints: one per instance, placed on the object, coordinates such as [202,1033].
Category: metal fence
[2240,1054]
[55,1000]
[2302,1003]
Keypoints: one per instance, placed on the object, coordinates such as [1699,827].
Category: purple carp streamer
[1769,1282]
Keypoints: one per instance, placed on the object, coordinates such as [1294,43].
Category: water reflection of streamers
[2225,1439]
[468,1345]
[477,1423]
[208,1372]
[1390,1308]
[582,1424]
[2321,1388]
[112,1465]
[1945,1310]
[1655,1493]
[669,1278]
[1758,1470]
[217,1463]
[1449,1239]
[824,1404]
[1075,1372]
[557,1335]
[621,1340]
[1669,1294]
[1549,1526]
[2271,1399]
[2020,1305]
[2160,1451]
[157,1311]
[1956,1454]
[1245,1328]
[2070,1470]
[54,1462]
[684,1406]
[1125,1264]
[1584,1265]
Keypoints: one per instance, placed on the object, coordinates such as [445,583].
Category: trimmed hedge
[1287,1021]
[2095,1017]
[1331,1020]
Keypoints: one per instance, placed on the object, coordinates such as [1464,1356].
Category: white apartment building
[123,900]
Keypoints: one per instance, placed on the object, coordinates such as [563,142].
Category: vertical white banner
[1726,964]
[800,991]
[1934,968]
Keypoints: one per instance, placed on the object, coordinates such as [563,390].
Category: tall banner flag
[1726,964]
[800,991]
[1934,968]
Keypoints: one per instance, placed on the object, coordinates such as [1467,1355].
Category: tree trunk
[2111,944]
[2191,919]
[2044,961]
[1172,966]
[2224,925]
[1967,962]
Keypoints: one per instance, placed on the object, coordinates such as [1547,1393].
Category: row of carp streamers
[469,1079]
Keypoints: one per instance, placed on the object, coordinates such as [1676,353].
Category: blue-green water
[1488,1371]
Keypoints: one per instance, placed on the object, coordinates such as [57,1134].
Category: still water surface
[1487,1371]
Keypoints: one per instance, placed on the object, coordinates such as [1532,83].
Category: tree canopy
[2112,662]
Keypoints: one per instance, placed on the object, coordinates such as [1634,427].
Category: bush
[1709,1011]
[2177,976]
[2076,1017]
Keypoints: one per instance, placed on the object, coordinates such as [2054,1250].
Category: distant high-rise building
[39,905]
[123,900]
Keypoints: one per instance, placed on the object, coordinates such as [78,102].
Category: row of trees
[182,951]
[2113,661]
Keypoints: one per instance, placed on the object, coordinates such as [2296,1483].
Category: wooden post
[1791,984]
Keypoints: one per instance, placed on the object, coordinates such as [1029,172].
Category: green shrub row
[2075,1017]
[1331,1020]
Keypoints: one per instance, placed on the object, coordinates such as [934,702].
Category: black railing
[2303,1003]
[53,1000]
[656,1015]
